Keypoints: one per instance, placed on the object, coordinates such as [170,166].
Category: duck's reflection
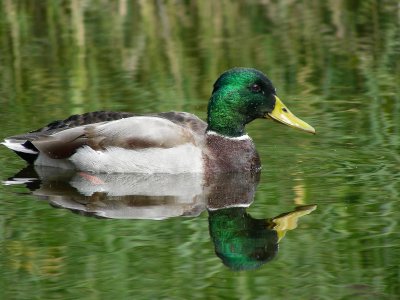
[241,241]
[116,196]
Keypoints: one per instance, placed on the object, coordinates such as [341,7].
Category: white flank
[185,158]
[18,147]
[237,138]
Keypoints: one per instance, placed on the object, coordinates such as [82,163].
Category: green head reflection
[243,242]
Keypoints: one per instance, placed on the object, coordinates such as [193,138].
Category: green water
[336,64]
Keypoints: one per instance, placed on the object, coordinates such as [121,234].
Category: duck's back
[117,142]
[181,118]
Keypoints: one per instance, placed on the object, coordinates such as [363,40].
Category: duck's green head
[241,95]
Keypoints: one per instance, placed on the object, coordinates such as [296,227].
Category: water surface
[334,63]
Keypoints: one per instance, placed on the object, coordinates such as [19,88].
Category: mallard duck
[169,142]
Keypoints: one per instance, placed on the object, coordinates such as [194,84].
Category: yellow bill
[282,114]
[288,221]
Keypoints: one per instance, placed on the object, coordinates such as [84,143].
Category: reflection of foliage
[46,261]
[307,47]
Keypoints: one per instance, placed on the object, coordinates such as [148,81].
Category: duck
[167,142]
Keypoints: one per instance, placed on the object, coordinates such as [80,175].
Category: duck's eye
[255,88]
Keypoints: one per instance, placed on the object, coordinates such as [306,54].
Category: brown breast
[230,154]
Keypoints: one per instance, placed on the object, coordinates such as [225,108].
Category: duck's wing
[181,118]
[61,139]
[129,133]
[80,120]
[22,144]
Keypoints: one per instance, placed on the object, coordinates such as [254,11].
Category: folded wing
[130,133]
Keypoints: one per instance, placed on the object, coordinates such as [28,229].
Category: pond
[321,219]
